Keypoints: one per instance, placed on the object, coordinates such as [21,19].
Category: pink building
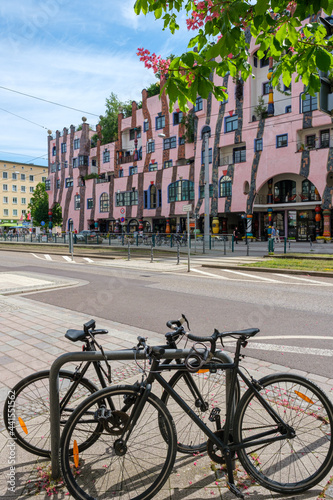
[269,164]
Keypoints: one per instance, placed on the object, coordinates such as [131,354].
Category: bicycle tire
[99,472]
[289,465]
[212,388]
[29,401]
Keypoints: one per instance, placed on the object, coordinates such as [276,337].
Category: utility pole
[205,137]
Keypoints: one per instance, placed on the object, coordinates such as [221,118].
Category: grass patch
[298,264]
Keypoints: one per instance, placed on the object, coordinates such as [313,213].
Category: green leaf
[158,13]
[137,7]
[261,6]
[204,88]
[188,59]
[323,59]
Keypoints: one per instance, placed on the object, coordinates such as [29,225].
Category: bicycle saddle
[75,335]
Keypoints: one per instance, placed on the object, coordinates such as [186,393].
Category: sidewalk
[31,338]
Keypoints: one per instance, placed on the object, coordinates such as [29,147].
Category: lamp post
[205,134]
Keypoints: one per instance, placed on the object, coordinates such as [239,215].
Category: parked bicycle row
[121,441]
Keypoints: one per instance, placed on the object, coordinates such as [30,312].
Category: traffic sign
[187,208]
[122,219]
[122,210]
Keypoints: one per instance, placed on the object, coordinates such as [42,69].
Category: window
[309,191]
[76,143]
[77,202]
[153,167]
[5,175]
[151,147]
[47,185]
[255,61]
[69,182]
[53,167]
[75,163]
[22,177]
[210,156]
[170,142]
[23,201]
[324,138]
[145,126]
[31,178]
[5,199]
[239,154]
[177,117]
[14,176]
[31,189]
[14,201]
[257,145]
[309,103]
[231,123]
[264,62]
[5,187]
[54,151]
[58,183]
[121,173]
[14,188]
[282,141]
[106,156]
[132,134]
[5,212]
[43,179]
[15,212]
[168,164]
[202,191]
[59,166]
[152,197]
[198,104]
[181,140]
[265,88]
[288,109]
[160,122]
[310,141]
[181,191]
[104,205]
[127,198]
[285,191]
[65,164]
[90,203]
[225,186]
[23,212]
[133,170]
[63,147]
[83,161]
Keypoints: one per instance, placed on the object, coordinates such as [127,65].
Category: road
[294,313]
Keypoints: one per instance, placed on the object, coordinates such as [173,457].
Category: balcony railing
[226,160]
[316,144]
[129,158]
[261,199]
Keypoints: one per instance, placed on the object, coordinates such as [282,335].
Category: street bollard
[225,246]
[177,252]
[247,247]
[128,250]
[151,253]
[285,244]
[232,243]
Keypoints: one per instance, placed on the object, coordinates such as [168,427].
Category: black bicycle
[281,430]
[27,404]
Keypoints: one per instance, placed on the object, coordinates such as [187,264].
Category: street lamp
[205,134]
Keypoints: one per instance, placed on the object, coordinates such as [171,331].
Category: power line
[49,102]
[22,118]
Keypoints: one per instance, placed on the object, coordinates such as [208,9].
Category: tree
[109,122]
[288,31]
[39,207]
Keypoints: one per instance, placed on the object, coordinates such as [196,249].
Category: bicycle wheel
[202,391]
[135,470]
[289,465]
[27,409]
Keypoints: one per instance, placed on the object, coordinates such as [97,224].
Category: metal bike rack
[123,355]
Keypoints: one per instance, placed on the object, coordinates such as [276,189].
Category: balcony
[124,157]
[261,199]
[317,143]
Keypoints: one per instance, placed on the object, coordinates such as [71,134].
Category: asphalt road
[294,314]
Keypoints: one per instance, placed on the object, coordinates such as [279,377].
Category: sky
[73,53]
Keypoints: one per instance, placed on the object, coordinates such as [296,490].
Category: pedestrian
[273,233]
[277,236]
[235,233]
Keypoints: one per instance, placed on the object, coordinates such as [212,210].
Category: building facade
[17,185]
[270,155]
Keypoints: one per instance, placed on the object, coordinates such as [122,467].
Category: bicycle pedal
[233,488]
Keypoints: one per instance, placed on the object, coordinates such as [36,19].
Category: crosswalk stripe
[302,279]
[87,259]
[69,259]
[48,257]
[210,274]
[250,275]
[289,348]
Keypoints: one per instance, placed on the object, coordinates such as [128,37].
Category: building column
[270,213]
[318,219]
[270,192]
[167,227]
[270,107]
[249,219]
[327,223]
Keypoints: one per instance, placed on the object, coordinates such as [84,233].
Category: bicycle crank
[214,452]
[113,421]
